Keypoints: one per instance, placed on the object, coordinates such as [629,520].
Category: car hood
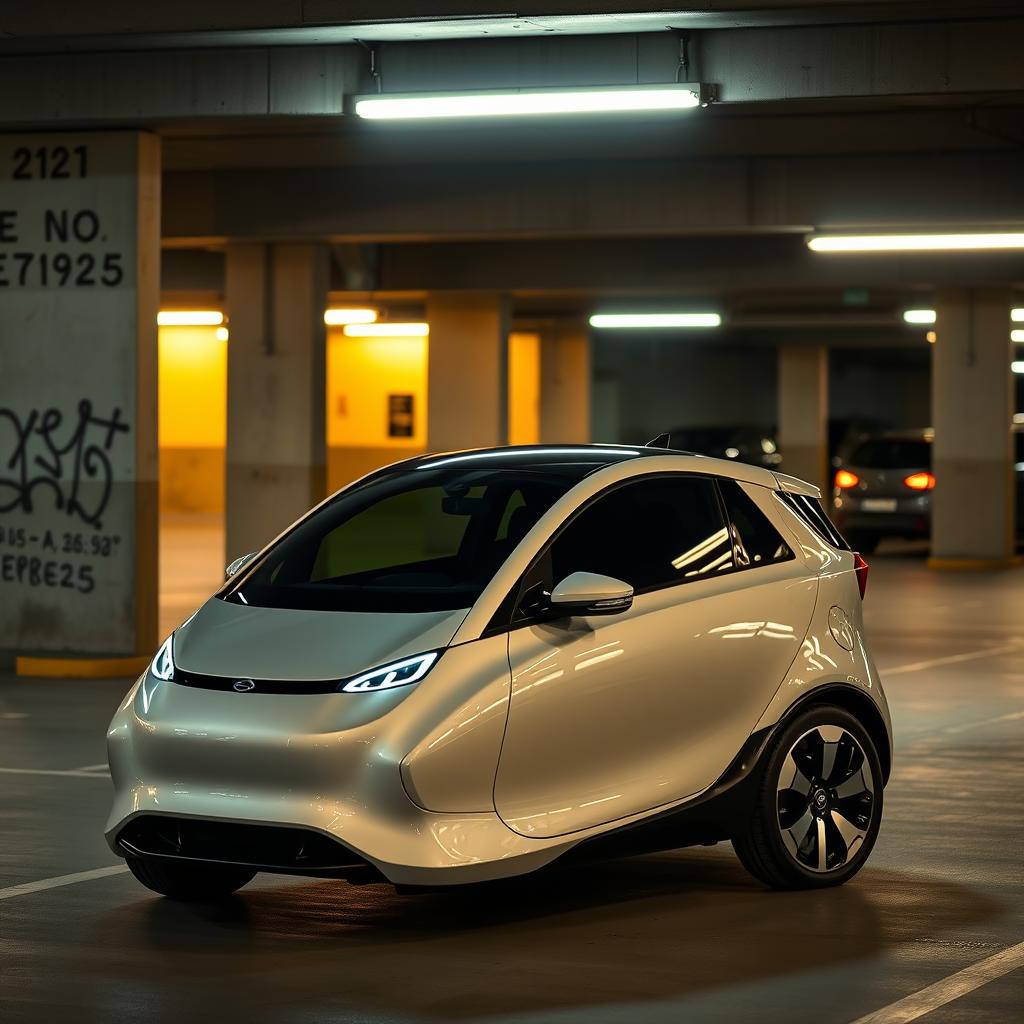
[225,639]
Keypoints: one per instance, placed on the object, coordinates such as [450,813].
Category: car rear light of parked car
[845,479]
[860,567]
[919,481]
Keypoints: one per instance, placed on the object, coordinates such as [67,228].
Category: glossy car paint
[487,768]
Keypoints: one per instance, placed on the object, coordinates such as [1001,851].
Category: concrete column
[276,448]
[79,292]
[565,386]
[972,412]
[467,372]
[803,413]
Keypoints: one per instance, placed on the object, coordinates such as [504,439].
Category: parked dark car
[754,445]
[883,487]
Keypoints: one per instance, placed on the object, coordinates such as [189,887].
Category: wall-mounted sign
[400,416]
[79,280]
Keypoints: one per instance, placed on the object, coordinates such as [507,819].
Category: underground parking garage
[511,298]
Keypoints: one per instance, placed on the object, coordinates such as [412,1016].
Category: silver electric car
[466,666]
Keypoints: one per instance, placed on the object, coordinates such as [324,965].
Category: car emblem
[243,685]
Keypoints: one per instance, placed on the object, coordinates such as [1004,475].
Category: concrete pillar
[803,413]
[276,447]
[565,386]
[972,412]
[79,291]
[467,372]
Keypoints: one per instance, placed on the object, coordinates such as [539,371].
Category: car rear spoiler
[797,486]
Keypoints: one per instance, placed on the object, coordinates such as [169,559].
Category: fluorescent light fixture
[530,102]
[1017,335]
[1017,315]
[919,316]
[1017,366]
[339,316]
[190,318]
[626,321]
[924,242]
[387,330]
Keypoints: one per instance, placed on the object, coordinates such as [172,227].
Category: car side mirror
[237,564]
[590,593]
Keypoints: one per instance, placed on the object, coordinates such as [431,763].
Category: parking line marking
[948,989]
[101,767]
[53,883]
[951,659]
[74,773]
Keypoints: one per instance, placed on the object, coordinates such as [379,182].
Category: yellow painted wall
[523,388]
[192,389]
[361,374]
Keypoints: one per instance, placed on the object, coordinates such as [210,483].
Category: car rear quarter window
[650,533]
[809,510]
[755,540]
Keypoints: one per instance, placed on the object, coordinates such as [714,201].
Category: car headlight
[162,666]
[398,673]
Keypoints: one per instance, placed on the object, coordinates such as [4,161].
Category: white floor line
[1011,716]
[74,773]
[952,659]
[53,883]
[948,989]
[101,767]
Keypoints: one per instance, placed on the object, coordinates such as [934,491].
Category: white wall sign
[79,288]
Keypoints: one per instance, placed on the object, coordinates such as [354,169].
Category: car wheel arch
[854,700]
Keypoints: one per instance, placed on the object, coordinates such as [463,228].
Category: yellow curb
[975,564]
[81,668]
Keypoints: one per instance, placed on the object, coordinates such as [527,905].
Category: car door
[613,715]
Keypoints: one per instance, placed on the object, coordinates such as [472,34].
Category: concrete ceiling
[54,26]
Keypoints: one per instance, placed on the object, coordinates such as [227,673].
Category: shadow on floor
[643,929]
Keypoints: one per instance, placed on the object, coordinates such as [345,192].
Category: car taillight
[860,567]
[919,481]
[845,479]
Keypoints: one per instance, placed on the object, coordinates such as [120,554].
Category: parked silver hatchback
[467,666]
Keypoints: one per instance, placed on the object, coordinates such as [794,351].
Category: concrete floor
[671,937]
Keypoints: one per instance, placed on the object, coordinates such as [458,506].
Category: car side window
[755,540]
[650,533]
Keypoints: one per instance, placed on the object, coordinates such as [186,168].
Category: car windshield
[413,540]
[892,453]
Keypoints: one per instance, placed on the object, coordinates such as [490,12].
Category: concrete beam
[569,199]
[675,266]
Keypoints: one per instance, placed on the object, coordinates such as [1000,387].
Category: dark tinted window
[649,533]
[414,540]
[755,540]
[892,453]
[810,511]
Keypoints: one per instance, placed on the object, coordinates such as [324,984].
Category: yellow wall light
[530,102]
[951,241]
[339,316]
[387,330]
[189,318]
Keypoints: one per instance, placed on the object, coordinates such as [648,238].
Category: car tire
[818,804]
[865,543]
[189,881]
